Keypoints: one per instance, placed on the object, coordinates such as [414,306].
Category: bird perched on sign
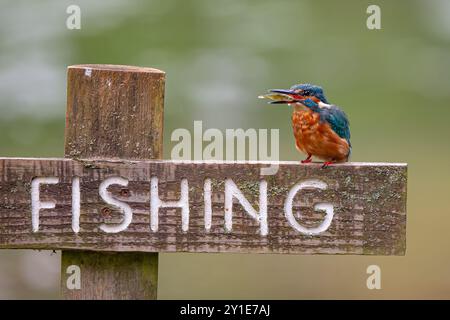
[320,129]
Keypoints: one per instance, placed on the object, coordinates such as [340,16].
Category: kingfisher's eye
[306,93]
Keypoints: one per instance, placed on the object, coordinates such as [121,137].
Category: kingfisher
[320,129]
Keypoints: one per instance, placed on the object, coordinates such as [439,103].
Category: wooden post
[113,112]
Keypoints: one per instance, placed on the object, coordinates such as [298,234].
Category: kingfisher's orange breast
[317,138]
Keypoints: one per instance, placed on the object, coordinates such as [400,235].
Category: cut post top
[116,68]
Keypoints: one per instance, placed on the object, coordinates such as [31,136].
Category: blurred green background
[219,55]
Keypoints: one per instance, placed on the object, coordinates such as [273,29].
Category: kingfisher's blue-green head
[297,93]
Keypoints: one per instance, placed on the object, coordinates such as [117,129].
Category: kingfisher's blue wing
[338,121]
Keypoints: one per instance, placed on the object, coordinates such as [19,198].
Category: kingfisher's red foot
[326,164]
[307,160]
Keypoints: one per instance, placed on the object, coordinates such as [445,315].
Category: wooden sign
[112,217]
[166,206]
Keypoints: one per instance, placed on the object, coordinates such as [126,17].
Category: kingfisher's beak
[281,96]
[282,91]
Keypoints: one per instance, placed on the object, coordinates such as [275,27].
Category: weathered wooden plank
[368,201]
[114,112]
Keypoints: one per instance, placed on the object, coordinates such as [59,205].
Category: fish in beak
[281,96]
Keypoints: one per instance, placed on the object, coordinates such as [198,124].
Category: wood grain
[369,202]
[123,270]
[114,112]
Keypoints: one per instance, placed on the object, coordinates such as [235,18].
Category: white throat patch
[324,105]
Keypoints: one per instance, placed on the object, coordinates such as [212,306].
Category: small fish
[276,97]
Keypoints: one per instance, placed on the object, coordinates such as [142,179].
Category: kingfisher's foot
[307,160]
[326,164]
